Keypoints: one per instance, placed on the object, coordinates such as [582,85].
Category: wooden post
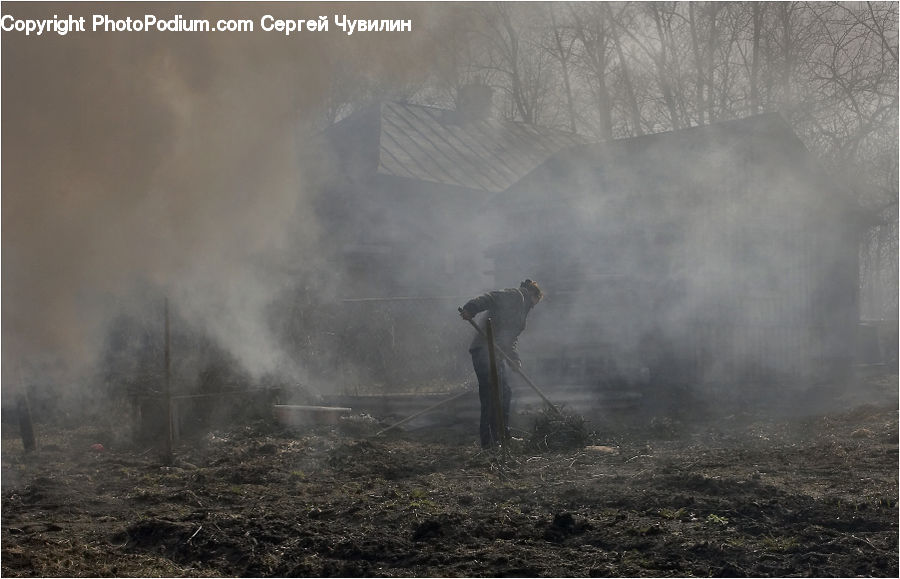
[167,392]
[26,426]
[496,394]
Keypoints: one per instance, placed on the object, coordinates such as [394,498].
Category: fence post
[26,426]
[167,457]
[496,394]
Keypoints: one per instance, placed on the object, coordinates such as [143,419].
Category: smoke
[715,260]
[173,161]
[168,159]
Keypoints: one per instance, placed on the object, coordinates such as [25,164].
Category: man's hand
[465,314]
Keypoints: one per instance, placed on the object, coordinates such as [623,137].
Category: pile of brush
[555,431]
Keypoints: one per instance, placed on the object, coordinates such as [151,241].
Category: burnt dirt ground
[738,495]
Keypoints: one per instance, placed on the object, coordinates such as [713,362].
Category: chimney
[473,103]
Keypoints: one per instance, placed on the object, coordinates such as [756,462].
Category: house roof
[757,161]
[668,161]
[429,144]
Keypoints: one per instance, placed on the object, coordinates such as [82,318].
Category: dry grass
[557,432]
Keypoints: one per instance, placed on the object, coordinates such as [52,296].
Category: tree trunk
[758,8]
[787,32]
[663,69]
[698,64]
[595,50]
[630,96]
[563,57]
[711,47]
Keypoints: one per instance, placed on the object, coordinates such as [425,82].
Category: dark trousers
[489,430]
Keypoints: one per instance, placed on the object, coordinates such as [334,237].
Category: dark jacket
[507,309]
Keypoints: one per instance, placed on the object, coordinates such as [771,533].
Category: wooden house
[405,203]
[408,191]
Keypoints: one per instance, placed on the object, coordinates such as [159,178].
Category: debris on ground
[751,496]
[556,431]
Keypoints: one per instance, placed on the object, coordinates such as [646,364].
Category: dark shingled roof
[428,144]
[663,161]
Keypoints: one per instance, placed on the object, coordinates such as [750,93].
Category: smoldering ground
[167,160]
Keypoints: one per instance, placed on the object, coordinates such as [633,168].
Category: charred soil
[741,495]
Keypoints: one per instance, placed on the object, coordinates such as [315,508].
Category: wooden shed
[720,257]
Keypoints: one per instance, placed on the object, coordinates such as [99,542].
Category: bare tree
[756,35]
[591,28]
[510,53]
[617,23]
[658,50]
[561,48]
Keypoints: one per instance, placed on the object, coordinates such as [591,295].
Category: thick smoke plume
[163,159]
